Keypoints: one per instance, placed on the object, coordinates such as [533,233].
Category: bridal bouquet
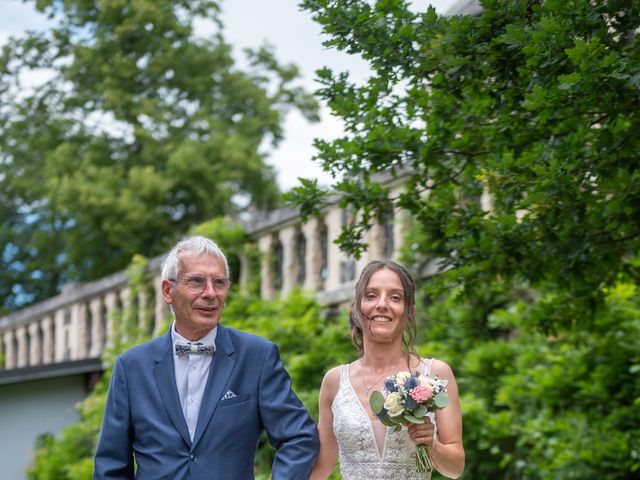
[407,398]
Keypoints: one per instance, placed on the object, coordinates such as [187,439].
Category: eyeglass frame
[185,281]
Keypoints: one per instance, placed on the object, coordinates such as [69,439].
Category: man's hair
[408,316]
[197,245]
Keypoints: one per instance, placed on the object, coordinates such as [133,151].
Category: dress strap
[425,369]
[425,366]
[344,373]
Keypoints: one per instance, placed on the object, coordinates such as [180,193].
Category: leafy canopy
[535,103]
[120,127]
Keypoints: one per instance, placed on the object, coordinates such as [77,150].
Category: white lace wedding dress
[361,458]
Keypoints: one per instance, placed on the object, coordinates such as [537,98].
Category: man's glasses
[198,283]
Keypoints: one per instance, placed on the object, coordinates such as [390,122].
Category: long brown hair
[408,317]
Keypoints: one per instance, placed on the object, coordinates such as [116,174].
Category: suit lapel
[166,382]
[219,374]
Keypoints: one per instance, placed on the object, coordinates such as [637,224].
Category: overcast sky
[251,23]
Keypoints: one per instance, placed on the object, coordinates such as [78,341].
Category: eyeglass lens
[198,283]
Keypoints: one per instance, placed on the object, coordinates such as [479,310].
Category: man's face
[197,313]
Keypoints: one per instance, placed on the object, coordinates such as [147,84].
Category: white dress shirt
[192,371]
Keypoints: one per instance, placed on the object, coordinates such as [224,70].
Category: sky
[295,38]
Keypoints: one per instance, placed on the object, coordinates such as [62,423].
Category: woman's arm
[446,451]
[328,455]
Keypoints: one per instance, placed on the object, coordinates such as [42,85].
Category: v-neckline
[372,433]
[381,453]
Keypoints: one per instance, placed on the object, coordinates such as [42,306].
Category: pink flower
[420,394]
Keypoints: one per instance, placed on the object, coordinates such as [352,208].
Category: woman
[383,329]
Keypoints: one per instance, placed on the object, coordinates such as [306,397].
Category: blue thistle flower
[383,414]
[411,383]
[410,404]
[390,385]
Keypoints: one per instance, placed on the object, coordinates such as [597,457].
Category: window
[278,253]
[301,250]
[324,245]
[387,235]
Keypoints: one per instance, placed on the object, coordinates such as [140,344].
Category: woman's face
[383,305]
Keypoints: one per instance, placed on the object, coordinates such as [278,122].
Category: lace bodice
[360,458]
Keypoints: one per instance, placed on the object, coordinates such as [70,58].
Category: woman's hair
[356,316]
[196,245]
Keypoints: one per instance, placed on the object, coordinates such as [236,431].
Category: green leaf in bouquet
[377,402]
[388,422]
[441,400]
[420,411]
[410,418]
[397,428]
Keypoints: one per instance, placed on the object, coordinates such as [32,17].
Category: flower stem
[423,462]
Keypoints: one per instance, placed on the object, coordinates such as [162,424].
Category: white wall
[29,409]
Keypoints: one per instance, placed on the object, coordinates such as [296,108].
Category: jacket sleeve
[288,426]
[114,453]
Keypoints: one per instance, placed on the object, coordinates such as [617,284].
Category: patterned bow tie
[200,348]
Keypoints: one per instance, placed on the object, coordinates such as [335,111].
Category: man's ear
[166,291]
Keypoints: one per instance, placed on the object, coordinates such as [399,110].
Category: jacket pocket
[230,402]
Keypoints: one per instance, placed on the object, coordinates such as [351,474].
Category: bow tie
[200,348]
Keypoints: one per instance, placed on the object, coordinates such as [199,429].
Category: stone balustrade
[293,254]
[77,324]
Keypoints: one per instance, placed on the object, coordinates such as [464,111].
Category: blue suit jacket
[143,417]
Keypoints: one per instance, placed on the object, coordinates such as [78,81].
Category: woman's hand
[422,434]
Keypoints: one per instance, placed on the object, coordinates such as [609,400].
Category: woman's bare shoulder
[333,373]
[441,368]
[331,380]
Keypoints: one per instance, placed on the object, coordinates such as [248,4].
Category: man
[193,403]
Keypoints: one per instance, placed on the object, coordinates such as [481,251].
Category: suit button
[192,457]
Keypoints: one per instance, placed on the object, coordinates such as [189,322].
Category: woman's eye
[396,298]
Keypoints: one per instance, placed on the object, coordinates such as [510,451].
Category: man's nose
[208,288]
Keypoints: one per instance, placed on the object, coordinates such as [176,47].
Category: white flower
[393,404]
[402,377]
[429,382]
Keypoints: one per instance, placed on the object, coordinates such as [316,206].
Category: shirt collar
[208,339]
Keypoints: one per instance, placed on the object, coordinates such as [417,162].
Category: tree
[536,103]
[142,129]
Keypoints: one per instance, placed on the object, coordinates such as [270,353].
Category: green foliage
[69,457]
[534,102]
[143,128]
[548,407]
[538,406]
